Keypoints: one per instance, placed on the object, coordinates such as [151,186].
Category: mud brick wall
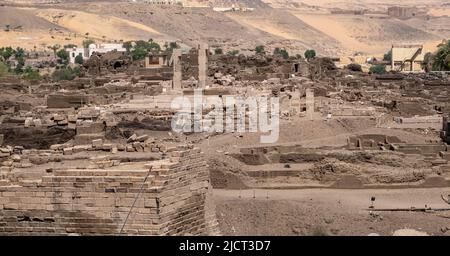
[173,201]
[67,101]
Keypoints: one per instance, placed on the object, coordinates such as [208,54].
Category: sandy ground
[317,133]
[46,27]
[365,35]
[328,212]
[82,22]
[328,25]
[440,12]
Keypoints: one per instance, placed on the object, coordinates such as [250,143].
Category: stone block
[107,147]
[72,118]
[97,143]
[142,138]
[62,122]
[28,122]
[72,126]
[132,138]
[81,148]
[58,118]
[130,148]
[68,151]
[37,122]
[138,147]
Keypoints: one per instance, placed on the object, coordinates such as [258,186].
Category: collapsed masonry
[166,197]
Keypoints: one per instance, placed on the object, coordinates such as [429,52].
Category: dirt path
[328,211]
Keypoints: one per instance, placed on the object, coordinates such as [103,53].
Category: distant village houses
[405,12]
[86,53]
[163,2]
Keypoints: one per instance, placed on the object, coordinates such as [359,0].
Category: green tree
[6,52]
[63,55]
[31,75]
[388,56]
[281,52]
[441,59]
[260,49]
[142,48]
[218,51]
[233,52]
[128,45]
[154,47]
[66,73]
[19,53]
[150,46]
[19,68]
[427,63]
[138,53]
[310,54]
[7,27]
[377,69]
[4,69]
[142,44]
[79,59]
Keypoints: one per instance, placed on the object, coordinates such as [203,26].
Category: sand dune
[284,25]
[43,27]
[98,26]
[363,34]
[328,26]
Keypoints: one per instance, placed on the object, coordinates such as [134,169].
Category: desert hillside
[294,25]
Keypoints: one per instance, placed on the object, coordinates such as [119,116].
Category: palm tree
[55,48]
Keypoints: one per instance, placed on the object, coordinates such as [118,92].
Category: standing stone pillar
[147,62]
[310,104]
[177,76]
[202,65]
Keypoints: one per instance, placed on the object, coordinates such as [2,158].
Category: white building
[74,52]
[164,2]
[99,48]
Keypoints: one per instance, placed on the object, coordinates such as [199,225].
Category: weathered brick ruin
[173,200]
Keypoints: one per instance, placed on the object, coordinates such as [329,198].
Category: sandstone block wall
[97,201]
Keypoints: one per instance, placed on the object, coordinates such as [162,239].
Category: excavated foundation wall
[174,200]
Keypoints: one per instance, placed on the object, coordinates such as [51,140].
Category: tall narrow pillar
[177,76]
[202,65]
[310,104]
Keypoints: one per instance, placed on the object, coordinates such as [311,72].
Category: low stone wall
[370,141]
[173,201]
[67,101]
